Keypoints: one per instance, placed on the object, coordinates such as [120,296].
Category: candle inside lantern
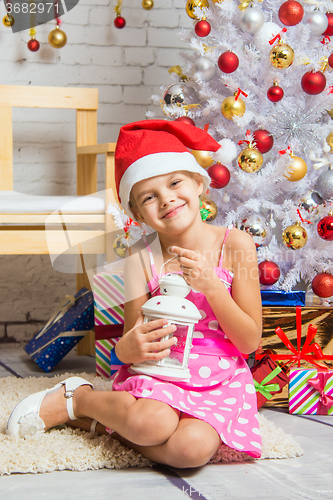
[180,312]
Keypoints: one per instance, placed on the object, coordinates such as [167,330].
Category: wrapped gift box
[285,317]
[310,391]
[67,326]
[269,379]
[280,298]
[108,289]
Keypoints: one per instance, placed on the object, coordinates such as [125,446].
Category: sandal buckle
[69,394]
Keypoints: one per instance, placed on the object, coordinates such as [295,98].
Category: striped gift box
[108,289]
[303,398]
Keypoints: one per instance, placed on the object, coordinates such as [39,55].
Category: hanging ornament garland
[119,21]
[8,20]
[33,44]
[57,38]
[147,4]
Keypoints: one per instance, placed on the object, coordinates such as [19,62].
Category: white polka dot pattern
[213,325]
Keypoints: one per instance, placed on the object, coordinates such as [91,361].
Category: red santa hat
[156,147]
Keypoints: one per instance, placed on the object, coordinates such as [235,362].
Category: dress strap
[153,283]
[223,244]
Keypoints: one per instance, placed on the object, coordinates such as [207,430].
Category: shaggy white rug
[72,449]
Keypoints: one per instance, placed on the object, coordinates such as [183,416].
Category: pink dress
[220,390]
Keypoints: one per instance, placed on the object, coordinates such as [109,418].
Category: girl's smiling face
[168,201]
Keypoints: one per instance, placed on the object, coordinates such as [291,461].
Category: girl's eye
[148,198]
[174,183]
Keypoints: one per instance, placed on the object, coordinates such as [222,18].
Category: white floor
[307,477]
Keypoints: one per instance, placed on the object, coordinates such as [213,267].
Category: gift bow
[266,389]
[309,352]
[325,400]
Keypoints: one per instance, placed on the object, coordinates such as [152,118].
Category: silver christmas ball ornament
[180,94]
[324,184]
[318,22]
[252,20]
[258,228]
[311,203]
[205,69]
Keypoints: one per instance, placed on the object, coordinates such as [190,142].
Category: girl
[181,423]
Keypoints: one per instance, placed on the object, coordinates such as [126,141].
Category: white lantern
[180,312]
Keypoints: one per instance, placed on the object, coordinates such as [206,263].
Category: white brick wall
[127,66]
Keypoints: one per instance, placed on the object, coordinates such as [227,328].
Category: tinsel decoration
[57,38]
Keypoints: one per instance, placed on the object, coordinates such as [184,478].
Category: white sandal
[25,421]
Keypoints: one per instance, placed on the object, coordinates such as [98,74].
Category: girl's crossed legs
[153,428]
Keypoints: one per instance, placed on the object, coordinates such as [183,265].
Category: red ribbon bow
[278,36]
[239,92]
[248,133]
[325,40]
[284,151]
[325,400]
[130,222]
[309,352]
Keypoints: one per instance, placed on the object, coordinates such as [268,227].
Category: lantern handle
[174,257]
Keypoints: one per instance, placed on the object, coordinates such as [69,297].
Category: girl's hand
[142,343]
[197,270]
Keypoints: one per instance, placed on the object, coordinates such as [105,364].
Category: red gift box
[269,379]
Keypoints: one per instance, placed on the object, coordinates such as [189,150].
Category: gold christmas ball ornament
[208,210]
[250,160]
[57,38]
[295,236]
[147,4]
[296,169]
[232,107]
[120,246]
[281,56]
[193,4]
[203,158]
[8,21]
[329,140]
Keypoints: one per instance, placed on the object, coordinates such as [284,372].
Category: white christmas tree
[265,66]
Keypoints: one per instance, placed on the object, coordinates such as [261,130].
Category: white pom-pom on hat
[226,153]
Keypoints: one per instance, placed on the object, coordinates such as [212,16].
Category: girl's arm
[239,316]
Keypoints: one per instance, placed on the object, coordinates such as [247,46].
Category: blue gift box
[282,299]
[67,326]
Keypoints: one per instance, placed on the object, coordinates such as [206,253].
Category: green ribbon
[264,388]
[204,212]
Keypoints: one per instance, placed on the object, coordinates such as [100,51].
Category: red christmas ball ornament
[329,31]
[264,140]
[269,272]
[325,228]
[322,285]
[220,176]
[202,28]
[291,13]
[330,61]
[275,93]
[33,45]
[185,119]
[313,82]
[119,22]
[228,62]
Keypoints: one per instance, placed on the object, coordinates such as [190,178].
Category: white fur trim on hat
[154,165]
